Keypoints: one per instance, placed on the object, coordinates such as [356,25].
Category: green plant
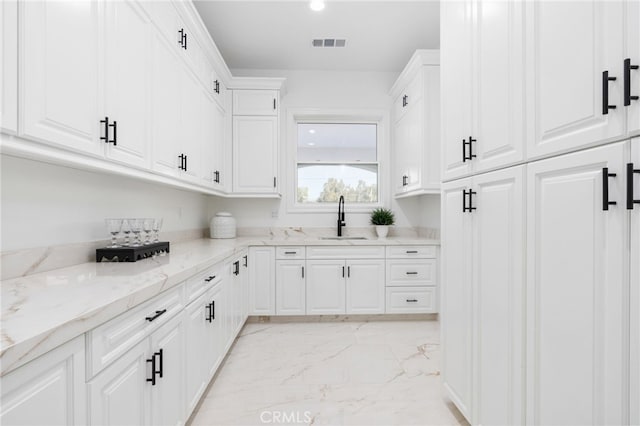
[382,217]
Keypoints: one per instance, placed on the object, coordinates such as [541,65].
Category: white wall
[327,90]
[44,204]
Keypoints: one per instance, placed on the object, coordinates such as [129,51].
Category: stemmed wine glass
[114,226]
[147,226]
[157,225]
[126,230]
[136,228]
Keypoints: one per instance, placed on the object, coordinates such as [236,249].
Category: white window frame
[379,117]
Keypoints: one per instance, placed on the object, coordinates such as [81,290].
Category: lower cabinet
[290,287]
[262,281]
[345,287]
[48,390]
[145,386]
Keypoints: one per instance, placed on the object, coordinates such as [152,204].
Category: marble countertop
[44,310]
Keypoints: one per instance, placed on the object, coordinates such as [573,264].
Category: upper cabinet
[575,78]
[482,44]
[60,63]
[9,66]
[631,68]
[255,144]
[416,130]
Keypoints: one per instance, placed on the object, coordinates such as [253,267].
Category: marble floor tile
[331,373]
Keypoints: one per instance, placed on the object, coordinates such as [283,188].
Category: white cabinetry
[60,80]
[290,287]
[482,45]
[632,57]
[411,279]
[634,225]
[9,66]
[255,141]
[482,317]
[325,287]
[577,288]
[416,132]
[48,390]
[365,286]
[262,279]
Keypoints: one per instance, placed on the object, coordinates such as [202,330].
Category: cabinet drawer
[297,252]
[345,252]
[411,272]
[411,300]
[197,285]
[410,252]
[112,339]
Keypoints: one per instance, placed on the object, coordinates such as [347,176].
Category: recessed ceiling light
[312,131]
[316,5]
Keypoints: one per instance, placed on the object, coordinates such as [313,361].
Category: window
[336,159]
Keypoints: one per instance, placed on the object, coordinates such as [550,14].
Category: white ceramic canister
[223,225]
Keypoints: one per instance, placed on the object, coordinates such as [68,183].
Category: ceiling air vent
[329,42]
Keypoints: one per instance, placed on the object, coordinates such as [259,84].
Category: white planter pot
[382,231]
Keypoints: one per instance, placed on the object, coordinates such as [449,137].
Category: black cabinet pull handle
[343,272]
[605,189]
[471,193]
[274,104]
[236,267]
[213,309]
[290,252]
[471,155]
[412,300]
[630,200]
[216,86]
[158,313]
[105,138]
[605,92]
[209,316]
[303,272]
[152,360]
[210,278]
[412,273]
[412,251]
[181,38]
[405,101]
[627,82]
[274,182]
[114,126]
[405,179]
[185,163]
[348,271]
[216,176]
[181,166]
[246,261]
[161,356]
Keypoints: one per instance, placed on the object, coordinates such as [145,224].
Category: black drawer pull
[605,92]
[412,251]
[246,261]
[160,355]
[630,200]
[210,278]
[303,272]
[290,252]
[236,267]
[158,313]
[628,97]
[412,300]
[412,273]
[152,360]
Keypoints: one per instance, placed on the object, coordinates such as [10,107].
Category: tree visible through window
[337,159]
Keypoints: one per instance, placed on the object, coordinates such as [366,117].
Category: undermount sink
[343,238]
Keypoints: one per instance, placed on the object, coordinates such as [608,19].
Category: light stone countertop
[44,310]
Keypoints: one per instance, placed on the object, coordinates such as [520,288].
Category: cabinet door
[127,65]
[365,287]
[455,309]
[255,151]
[255,102]
[498,82]
[325,287]
[635,286]
[498,315]
[577,322]
[9,66]
[167,397]
[48,390]
[632,15]
[570,45]
[455,66]
[213,140]
[262,279]
[400,172]
[413,146]
[59,76]
[219,142]
[191,126]
[213,340]
[166,95]
[196,339]
[290,287]
[119,395]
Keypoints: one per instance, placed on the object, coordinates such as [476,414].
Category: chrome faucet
[341,221]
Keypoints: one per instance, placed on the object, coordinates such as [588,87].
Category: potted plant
[382,218]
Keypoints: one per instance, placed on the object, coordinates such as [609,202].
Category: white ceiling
[381,35]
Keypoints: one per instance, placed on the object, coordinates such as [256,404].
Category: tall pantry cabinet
[540,309]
